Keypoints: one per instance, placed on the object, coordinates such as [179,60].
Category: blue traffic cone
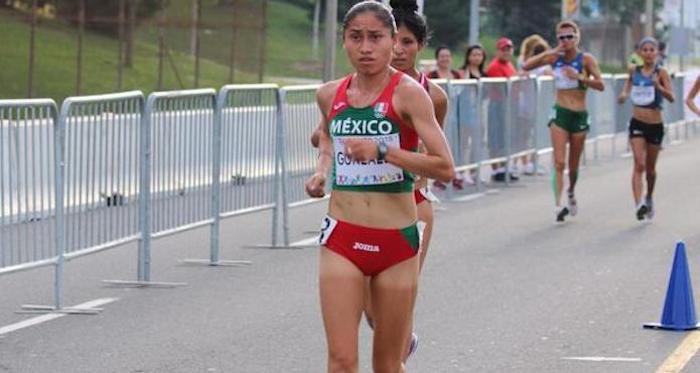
[679,307]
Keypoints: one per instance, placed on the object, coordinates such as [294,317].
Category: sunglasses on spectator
[507,47]
[566,37]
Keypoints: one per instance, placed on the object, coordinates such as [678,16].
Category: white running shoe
[573,206]
[650,207]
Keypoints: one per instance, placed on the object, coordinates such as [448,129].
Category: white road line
[51,316]
[306,242]
[603,359]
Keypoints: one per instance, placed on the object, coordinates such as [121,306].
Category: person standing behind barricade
[474,61]
[473,68]
[647,85]
[530,46]
[500,67]
[574,72]
[412,37]
[690,100]
[444,69]
[372,121]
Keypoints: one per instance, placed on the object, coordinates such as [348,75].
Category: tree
[100,14]
[518,19]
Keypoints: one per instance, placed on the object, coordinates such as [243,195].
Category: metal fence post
[144,261]
[507,129]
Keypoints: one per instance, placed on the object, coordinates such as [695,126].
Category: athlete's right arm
[624,94]
[545,58]
[690,100]
[315,185]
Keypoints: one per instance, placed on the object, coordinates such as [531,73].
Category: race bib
[643,95]
[350,172]
[561,81]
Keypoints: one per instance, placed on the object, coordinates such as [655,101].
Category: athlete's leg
[652,157]
[425,214]
[342,299]
[639,150]
[576,145]
[559,138]
[393,297]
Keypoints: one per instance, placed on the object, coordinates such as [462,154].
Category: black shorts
[652,133]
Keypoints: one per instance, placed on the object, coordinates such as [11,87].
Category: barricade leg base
[39,309]
[143,284]
[220,263]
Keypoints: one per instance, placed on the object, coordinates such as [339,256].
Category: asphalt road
[504,290]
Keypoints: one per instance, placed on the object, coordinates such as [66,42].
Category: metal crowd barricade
[602,112]
[464,128]
[102,135]
[28,158]
[522,100]
[545,99]
[245,157]
[299,116]
[495,116]
[176,172]
[675,111]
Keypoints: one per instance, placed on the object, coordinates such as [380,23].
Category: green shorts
[569,120]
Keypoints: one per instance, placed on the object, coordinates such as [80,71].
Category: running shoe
[412,347]
[650,208]
[561,213]
[573,207]
[641,210]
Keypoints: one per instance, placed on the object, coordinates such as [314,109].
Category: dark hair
[466,58]
[381,11]
[440,49]
[406,14]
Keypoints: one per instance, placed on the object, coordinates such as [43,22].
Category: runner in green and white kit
[574,72]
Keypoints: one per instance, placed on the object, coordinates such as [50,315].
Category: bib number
[351,172]
[643,95]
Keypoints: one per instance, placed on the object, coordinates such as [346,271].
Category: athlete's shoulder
[588,58]
[326,93]
[436,92]
[408,85]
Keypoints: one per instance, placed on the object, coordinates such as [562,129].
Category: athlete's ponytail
[406,14]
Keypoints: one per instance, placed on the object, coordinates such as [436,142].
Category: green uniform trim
[411,235]
[569,120]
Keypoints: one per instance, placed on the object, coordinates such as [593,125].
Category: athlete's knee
[651,173]
[559,165]
[342,362]
[640,167]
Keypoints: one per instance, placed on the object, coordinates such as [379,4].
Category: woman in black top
[474,60]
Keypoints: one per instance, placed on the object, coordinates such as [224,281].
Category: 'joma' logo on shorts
[365,247]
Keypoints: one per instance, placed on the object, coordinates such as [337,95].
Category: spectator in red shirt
[500,67]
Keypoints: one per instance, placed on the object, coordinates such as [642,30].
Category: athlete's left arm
[662,82]
[593,80]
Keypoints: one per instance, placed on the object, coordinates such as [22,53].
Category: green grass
[288,52]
